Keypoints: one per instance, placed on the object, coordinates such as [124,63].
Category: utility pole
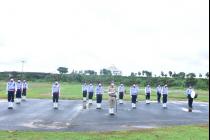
[23,61]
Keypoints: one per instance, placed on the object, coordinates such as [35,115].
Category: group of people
[118,93]
[18,89]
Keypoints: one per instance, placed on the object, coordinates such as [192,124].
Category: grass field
[199,132]
[72,91]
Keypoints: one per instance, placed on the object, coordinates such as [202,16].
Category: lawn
[198,132]
[72,91]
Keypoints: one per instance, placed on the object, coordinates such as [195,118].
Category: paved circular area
[38,114]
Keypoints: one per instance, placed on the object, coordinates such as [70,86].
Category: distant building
[114,70]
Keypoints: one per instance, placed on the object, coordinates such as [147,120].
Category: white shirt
[56,88]
[11,86]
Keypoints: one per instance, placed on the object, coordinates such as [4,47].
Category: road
[38,115]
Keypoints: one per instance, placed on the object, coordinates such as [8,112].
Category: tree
[174,75]
[80,72]
[139,73]
[191,79]
[170,73]
[181,75]
[162,73]
[62,70]
[200,75]
[90,72]
[148,74]
[191,75]
[105,72]
[143,72]
[133,74]
[207,75]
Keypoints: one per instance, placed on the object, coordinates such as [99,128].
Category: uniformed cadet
[190,95]
[164,93]
[25,88]
[19,90]
[11,88]
[99,95]
[112,98]
[55,94]
[90,93]
[121,91]
[84,91]
[158,90]
[148,92]
[134,92]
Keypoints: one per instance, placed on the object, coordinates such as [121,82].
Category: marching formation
[19,90]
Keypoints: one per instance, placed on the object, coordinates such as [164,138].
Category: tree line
[143,78]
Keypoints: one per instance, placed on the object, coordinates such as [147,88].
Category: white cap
[134,85]
[56,82]
[11,79]
[18,81]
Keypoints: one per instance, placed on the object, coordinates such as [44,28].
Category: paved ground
[36,114]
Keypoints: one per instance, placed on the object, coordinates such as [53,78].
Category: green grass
[42,90]
[199,132]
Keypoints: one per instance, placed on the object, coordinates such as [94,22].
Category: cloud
[134,36]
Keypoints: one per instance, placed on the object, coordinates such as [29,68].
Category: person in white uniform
[55,94]
[148,92]
[121,92]
[11,89]
[99,95]
[19,90]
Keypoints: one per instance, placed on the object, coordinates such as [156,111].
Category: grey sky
[133,35]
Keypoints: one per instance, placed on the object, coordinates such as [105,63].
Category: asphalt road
[38,114]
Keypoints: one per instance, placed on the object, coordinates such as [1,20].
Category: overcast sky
[133,35]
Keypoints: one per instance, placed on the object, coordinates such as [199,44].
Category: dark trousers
[55,97]
[24,92]
[84,93]
[133,98]
[90,95]
[121,94]
[158,97]
[98,98]
[11,95]
[147,96]
[190,101]
[18,93]
[165,96]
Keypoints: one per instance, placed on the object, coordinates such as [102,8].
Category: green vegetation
[180,80]
[73,91]
[170,133]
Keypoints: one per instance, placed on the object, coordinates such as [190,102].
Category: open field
[199,132]
[42,90]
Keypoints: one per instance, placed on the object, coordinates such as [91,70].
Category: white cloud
[133,35]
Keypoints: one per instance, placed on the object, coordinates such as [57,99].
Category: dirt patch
[204,126]
[45,94]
